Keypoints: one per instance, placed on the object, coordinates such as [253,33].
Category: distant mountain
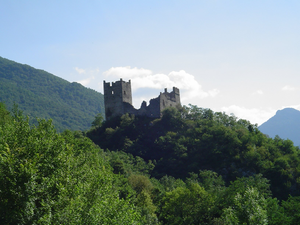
[43,95]
[285,124]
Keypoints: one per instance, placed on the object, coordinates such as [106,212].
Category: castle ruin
[118,101]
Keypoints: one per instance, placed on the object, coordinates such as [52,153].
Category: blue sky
[236,56]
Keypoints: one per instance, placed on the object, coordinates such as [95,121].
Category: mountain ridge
[44,95]
[285,123]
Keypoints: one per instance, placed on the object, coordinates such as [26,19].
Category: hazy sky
[236,56]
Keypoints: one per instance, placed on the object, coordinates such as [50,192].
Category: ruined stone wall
[169,99]
[118,101]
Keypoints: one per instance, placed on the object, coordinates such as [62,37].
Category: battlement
[119,89]
[116,84]
[118,100]
[172,96]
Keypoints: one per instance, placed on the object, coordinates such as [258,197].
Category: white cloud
[288,88]
[254,115]
[258,92]
[214,92]
[80,71]
[85,82]
[88,75]
[144,78]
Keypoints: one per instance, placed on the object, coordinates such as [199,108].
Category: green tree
[292,209]
[191,205]
[51,178]
[276,213]
[248,208]
[97,122]
[4,114]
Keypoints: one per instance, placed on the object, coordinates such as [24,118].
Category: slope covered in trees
[192,166]
[43,95]
[190,139]
[209,168]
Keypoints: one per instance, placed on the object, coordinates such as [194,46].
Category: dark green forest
[191,166]
[40,94]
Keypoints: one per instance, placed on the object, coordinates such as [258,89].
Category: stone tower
[116,95]
[167,99]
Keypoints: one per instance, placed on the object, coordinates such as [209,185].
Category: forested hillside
[192,166]
[43,95]
[214,165]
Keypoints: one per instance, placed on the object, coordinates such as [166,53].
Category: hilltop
[189,139]
[41,94]
[285,123]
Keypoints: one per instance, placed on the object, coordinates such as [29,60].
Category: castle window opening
[112,92]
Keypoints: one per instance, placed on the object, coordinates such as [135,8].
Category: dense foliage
[190,139]
[43,95]
[192,166]
[50,178]
[211,168]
